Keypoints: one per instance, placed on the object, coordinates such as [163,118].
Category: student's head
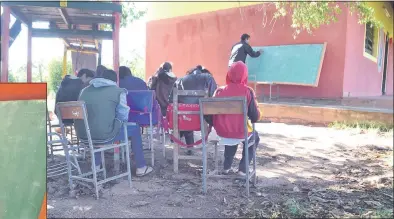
[110,75]
[124,71]
[237,74]
[166,67]
[245,37]
[198,70]
[85,75]
[100,69]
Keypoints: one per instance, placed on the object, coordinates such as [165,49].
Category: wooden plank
[64,15]
[222,107]
[89,5]
[323,52]
[61,33]
[20,16]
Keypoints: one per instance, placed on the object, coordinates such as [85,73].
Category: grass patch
[294,208]
[365,125]
[383,213]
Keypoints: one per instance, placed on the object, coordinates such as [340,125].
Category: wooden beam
[19,15]
[64,15]
[115,41]
[60,33]
[89,5]
[5,38]
[29,58]
[85,50]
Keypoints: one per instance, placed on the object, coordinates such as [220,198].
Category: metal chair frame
[77,110]
[176,130]
[220,106]
[151,126]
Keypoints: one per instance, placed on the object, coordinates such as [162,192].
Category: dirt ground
[302,172]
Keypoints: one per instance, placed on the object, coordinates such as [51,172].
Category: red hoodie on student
[232,126]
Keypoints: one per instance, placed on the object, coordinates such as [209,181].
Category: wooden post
[115,41]
[175,129]
[5,40]
[99,53]
[29,48]
[64,62]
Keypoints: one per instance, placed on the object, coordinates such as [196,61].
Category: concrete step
[379,102]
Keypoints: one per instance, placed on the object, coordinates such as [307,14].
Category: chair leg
[254,165]
[52,156]
[247,168]
[116,160]
[103,164]
[123,152]
[94,174]
[67,154]
[128,165]
[77,164]
[152,150]
[216,159]
[164,143]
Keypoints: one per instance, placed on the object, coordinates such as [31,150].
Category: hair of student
[199,68]
[89,73]
[110,75]
[245,36]
[164,68]
[124,71]
[100,69]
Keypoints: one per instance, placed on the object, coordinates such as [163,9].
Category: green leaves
[55,68]
[130,13]
[308,16]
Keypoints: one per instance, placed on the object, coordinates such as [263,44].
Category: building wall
[206,38]
[361,76]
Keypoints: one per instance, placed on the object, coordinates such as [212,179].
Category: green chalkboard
[287,64]
[22,158]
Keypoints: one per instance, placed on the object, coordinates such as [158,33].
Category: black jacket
[69,90]
[162,84]
[239,52]
[194,80]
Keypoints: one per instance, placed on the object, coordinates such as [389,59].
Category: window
[371,39]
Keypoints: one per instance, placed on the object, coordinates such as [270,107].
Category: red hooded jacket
[232,126]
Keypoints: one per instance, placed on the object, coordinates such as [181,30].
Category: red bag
[185,122]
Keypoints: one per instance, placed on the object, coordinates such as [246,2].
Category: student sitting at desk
[198,78]
[230,127]
[107,111]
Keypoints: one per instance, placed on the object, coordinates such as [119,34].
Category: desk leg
[176,157]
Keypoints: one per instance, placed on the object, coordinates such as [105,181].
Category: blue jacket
[132,83]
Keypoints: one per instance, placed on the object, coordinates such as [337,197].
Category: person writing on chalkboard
[241,49]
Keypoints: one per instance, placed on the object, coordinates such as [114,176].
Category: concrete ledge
[318,115]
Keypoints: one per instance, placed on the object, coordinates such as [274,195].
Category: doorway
[386,51]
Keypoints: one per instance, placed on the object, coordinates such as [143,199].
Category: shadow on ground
[301,173]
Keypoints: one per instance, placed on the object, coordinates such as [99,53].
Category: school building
[204,32]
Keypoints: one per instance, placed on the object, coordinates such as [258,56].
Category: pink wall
[390,78]
[207,38]
[361,77]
